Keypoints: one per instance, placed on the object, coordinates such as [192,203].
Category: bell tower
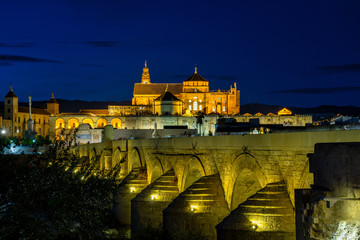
[145,79]
[10,105]
[53,106]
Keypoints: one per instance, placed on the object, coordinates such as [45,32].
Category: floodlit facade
[14,122]
[194,93]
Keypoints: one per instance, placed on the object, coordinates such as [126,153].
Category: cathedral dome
[195,77]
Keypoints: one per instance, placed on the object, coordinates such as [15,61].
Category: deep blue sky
[291,53]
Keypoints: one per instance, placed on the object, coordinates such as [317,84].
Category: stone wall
[331,208]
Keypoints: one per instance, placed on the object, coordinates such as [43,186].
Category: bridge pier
[147,207]
[197,210]
[268,214]
[132,185]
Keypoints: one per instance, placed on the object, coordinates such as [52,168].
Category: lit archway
[134,160]
[120,160]
[59,134]
[192,172]
[154,169]
[101,123]
[89,121]
[60,123]
[246,185]
[245,179]
[73,123]
[116,123]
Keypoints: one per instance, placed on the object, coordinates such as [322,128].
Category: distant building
[14,122]
[344,120]
[261,124]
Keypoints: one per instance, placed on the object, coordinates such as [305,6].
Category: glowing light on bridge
[255,225]
[193,208]
[154,197]
[132,189]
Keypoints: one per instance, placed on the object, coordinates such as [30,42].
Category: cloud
[101,43]
[355,67]
[17,45]
[17,58]
[334,69]
[318,90]
[5,64]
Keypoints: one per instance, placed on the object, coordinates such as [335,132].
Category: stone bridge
[224,187]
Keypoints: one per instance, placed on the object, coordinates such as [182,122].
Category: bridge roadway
[193,184]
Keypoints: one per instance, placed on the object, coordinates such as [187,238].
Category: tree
[57,196]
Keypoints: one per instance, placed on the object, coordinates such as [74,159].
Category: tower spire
[195,70]
[11,87]
[145,79]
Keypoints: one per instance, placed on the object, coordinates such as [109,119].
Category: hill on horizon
[74,106]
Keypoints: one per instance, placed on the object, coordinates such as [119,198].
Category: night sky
[290,53]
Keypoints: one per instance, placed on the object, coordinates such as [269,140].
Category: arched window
[101,123]
[116,123]
[60,123]
[73,123]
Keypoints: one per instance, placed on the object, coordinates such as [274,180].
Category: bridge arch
[244,180]
[106,160]
[134,159]
[192,172]
[120,158]
[155,169]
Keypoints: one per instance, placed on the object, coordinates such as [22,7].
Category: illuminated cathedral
[189,97]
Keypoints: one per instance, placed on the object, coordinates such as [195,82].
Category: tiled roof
[94,111]
[52,100]
[157,88]
[195,77]
[167,96]
[11,94]
[33,110]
